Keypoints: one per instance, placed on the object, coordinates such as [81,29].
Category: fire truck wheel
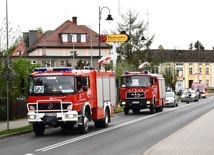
[38,129]
[85,125]
[126,111]
[152,108]
[104,122]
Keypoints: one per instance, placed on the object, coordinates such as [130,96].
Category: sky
[174,23]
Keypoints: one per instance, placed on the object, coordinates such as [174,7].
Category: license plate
[50,114]
[135,102]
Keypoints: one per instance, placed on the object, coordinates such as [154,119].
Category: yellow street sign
[116,38]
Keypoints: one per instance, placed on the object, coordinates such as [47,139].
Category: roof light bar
[54,69]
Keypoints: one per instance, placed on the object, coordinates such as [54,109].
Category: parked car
[193,97]
[171,99]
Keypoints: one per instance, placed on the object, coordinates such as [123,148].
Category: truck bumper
[141,104]
[70,116]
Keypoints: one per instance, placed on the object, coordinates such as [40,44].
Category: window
[48,64]
[207,83]
[190,71]
[44,51]
[167,70]
[78,37]
[200,70]
[70,37]
[19,53]
[62,62]
[207,71]
[33,62]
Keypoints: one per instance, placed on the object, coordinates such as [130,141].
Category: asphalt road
[126,135]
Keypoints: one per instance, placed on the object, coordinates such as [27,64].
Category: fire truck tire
[126,111]
[83,129]
[38,129]
[104,122]
[160,108]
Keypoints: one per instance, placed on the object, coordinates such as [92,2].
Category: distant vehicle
[184,94]
[194,95]
[171,99]
[201,87]
[190,95]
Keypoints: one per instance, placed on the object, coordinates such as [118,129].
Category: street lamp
[137,49]
[109,18]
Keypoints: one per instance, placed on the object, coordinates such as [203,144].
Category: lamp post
[74,52]
[109,18]
[91,64]
[7,67]
[137,49]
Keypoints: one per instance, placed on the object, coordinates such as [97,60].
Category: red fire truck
[141,90]
[60,96]
[200,87]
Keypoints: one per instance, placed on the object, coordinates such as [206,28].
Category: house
[64,46]
[71,42]
[188,65]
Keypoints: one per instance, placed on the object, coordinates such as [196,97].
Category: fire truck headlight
[69,108]
[123,103]
[148,102]
[70,115]
[31,108]
[31,116]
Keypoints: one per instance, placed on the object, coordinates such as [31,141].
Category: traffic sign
[117,38]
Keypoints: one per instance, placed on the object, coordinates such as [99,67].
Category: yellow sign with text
[116,38]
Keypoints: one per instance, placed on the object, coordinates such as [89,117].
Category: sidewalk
[194,139]
[13,124]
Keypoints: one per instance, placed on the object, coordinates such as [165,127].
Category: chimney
[74,19]
[32,37]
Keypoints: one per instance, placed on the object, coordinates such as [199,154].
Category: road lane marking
[92,134]
[50,147]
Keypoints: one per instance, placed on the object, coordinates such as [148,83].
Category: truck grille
[48,107]
[135,95]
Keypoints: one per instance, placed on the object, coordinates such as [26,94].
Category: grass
[5,132]
[118,109]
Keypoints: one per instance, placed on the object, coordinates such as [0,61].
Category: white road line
[104,130]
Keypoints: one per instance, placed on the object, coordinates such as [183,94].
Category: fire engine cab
[141,90]
[61,96]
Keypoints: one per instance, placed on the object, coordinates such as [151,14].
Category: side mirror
[85,88]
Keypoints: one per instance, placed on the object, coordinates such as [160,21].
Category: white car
[171,99]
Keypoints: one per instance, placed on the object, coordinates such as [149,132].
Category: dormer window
[19,53]
[78,37]
[70,38]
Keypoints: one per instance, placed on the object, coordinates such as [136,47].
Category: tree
[198,45]
[131,51]
[170,78]
[190,46]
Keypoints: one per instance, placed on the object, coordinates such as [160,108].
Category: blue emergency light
[54,69]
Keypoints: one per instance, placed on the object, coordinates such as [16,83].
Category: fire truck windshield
[51,84]
[138,81]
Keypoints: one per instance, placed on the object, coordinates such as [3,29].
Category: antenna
[147,24]
[119,10]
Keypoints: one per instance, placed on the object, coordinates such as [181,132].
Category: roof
[52,39]
[20,47]
[182,55]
